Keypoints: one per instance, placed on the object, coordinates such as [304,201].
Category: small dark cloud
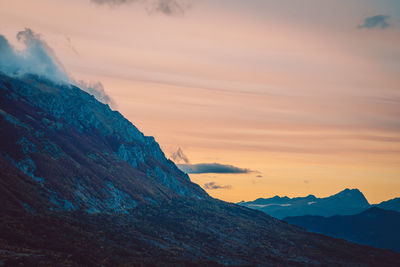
[259,176]
[169,7]
[166,7]
[213,185]
[211,168]
[178,157]
[378,21]
[113,2]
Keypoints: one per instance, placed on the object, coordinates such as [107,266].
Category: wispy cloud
[213,185]
[178,156]
[378,21]
[211,168]
[36,58]
[39,59]
[166,7]
[97,90]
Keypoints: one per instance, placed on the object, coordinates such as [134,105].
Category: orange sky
[294,90]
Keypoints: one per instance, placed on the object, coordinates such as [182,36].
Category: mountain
[392,204]
[80,152]
[345,202]
[375,227]
[82,186]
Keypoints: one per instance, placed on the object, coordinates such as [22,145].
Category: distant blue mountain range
[393,204]
[375,227]
[346,202]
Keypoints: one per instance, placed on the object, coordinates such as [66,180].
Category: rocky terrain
[81,186]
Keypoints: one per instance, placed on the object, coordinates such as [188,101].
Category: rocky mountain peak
[79,153]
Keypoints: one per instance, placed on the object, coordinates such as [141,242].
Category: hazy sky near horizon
[302,95]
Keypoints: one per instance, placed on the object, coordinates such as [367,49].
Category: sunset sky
[297,97]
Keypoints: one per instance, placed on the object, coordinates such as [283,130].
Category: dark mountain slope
[80,185]
[81,153]
[375,227]
[392,204]
[345,202]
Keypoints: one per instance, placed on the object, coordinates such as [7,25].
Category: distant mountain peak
[352,194]
[352,190]
[347,201]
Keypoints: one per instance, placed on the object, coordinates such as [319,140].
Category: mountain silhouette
[82,186]
[375,227]
[392,204]
[346,202]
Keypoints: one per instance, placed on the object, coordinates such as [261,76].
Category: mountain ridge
[81,186]
[113,135]
[391,204]
[347,201]
[375,226]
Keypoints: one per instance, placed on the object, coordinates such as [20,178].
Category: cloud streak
[213,186]
[178,157]
[211,168]
[113,2]
[378,21]
[166,7]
